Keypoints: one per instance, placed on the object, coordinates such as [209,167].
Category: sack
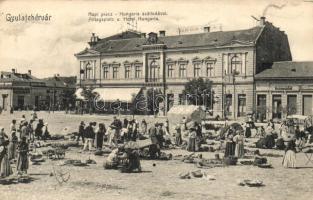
[259,161]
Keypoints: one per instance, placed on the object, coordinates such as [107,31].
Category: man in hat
[81,132]
[160,134]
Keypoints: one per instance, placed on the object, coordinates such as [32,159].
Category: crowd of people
[189,135]
[14,147]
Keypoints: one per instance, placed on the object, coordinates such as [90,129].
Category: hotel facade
[230,59]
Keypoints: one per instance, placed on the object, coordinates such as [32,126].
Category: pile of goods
[78,163]
[251,183]
[195,174]
[54,153]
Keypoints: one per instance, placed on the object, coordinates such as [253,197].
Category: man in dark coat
[90,136]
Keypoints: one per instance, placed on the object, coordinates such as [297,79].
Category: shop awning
[115,94]
[79,95]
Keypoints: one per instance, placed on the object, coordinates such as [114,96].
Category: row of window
[182,70]
[127,72]
[231,63]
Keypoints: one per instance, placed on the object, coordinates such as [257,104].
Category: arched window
[154,71]
[88,74]
[236,64]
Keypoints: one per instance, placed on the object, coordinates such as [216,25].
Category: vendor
[131,161]
[112,160]
[154,148]
[230,144]
[289,160]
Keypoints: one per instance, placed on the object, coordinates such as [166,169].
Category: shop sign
[21,91]
[283,87]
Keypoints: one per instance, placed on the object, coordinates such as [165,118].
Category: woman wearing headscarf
[230,144]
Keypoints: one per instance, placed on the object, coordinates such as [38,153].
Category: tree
[90,96]
[68,97]
[199,92]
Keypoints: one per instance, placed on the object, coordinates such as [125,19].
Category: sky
[48,48]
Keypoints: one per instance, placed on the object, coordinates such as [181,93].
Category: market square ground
[157,182]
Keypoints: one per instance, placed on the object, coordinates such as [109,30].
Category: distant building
[24,91]
[230,59]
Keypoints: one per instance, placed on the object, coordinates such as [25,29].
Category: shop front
[278,99]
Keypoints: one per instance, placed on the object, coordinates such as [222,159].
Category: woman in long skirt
[22,161]
[230,146]
[5,168]
[239,140]
[289,160]
[192,140]
[12,146]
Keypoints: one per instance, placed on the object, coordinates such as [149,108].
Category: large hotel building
[130,62]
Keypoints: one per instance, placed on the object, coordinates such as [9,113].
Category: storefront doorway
[291,104]
[261,107]
[276,107]
[307,105]
[20,102]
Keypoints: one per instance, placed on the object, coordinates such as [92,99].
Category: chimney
[30,72]
[13,71]
[143,35]
[206,29]
[162,33]
[262,21]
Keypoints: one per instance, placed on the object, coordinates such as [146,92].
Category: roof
[214,39]
[10,76]
[60,81]
[288,69]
